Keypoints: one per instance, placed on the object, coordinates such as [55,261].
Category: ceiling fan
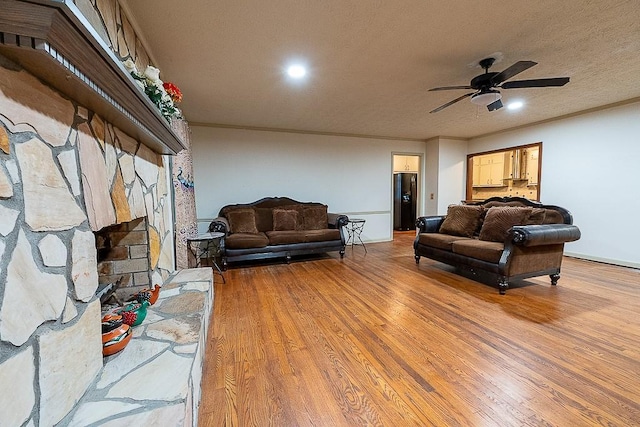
[485,85]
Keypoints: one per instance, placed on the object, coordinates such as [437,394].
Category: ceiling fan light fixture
[485,98]
[485,83]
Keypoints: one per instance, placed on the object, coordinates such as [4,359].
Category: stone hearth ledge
[155,380]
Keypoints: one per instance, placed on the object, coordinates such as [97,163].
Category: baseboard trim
[604,260]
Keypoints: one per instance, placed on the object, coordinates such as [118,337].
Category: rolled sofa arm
[220,225]
[429,224]
[546,234]
[337,220]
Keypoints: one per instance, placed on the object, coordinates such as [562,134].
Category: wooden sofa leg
[417,257]
[503,285]
[554,279]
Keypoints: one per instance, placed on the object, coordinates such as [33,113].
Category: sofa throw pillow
[264,219]
[242,221]
[536,217]
[461,220]
[552,216]
[499,220]
[285,219]
[298,208]
[315,217]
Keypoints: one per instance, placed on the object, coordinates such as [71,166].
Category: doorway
[406,179]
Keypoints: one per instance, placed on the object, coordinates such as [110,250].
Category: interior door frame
[419,184]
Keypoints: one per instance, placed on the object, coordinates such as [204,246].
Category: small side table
[354,230]
[206,245]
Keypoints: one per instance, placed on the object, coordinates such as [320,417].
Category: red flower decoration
[129,317]
[173,91]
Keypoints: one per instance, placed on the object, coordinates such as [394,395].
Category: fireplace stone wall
[64,173]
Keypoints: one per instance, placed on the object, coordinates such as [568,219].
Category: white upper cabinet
[406,164]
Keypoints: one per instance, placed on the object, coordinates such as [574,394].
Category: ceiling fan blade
[442,107]
[449,88]
[496,105]
[555,81]
[516,68]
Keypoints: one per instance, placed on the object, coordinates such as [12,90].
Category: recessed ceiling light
[296,71]
[515,105]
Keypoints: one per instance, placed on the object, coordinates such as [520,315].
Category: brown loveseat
[508,238]
[278,227]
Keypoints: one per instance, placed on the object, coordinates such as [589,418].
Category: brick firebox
[123,251]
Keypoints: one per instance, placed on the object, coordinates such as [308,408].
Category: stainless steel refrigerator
[404,200]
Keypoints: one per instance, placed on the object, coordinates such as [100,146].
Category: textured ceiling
[371,63]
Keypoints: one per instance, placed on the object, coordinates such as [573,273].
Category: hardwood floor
[376,340]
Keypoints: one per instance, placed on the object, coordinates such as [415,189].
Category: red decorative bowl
[115,340]
[111,321]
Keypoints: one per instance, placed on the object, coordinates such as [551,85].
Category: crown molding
[304,132]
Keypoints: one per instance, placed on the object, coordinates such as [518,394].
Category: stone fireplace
[63,176]
[78,154]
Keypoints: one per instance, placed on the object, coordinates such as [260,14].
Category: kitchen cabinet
[532,165]
[406,164]
[488,170]
[476,171]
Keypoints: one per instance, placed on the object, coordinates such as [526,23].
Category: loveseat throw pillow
[242,221]
[285,219]
[499,220]
[462,220]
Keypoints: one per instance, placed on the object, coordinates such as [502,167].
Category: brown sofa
[504,238]
[278,227]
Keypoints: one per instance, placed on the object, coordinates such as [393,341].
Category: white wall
[351,175]
[590,165]
[452,171]
[431,176]
[446,174]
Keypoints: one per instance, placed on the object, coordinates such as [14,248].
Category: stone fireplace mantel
[54,41]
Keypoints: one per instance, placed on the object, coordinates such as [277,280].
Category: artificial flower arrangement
[164,95]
